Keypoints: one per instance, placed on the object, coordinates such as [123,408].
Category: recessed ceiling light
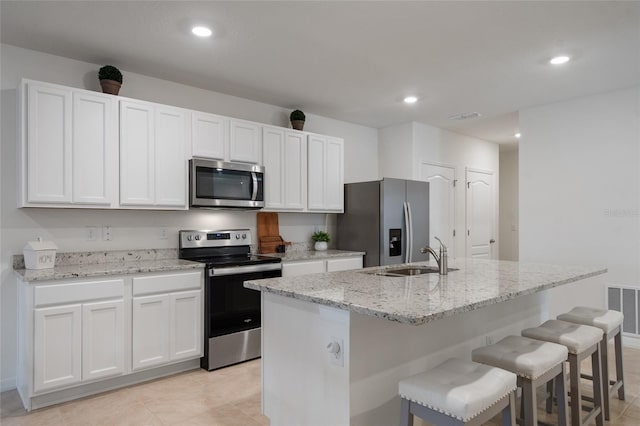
[465,116]
[517,135]
[410,99]
[201,31]
[559,60]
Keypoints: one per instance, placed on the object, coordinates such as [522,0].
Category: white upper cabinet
[152,156]
[68,147]
[209,135]
[171,163]
[325,174]
[245,141]
[284,155]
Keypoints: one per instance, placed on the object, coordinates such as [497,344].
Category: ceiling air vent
[465,116]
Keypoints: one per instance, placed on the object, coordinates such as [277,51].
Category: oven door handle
[235,270]
[254,180]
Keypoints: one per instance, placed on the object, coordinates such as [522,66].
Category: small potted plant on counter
[110,79]
[321,239]
[297,118]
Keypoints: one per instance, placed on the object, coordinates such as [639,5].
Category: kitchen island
[388,328]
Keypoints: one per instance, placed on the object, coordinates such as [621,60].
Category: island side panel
[300,386]
[384,352]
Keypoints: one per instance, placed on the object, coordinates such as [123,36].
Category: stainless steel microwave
[216,184]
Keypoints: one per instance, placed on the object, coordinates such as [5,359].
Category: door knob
[492,241]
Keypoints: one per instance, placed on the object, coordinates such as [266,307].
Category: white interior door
[441,180]
[481,214]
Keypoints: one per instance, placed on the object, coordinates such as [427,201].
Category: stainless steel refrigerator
[388,218]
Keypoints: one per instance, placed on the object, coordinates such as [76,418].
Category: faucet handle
[442,246]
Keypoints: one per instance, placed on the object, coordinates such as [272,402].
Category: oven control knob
[237,236]
[244,236]
[198,237]
[189,237]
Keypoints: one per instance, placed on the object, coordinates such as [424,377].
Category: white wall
[135,229]
[580,190]
[403,147]
[508,190]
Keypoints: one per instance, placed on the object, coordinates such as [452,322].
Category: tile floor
[226,397]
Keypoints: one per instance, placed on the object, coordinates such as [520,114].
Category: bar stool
[581,341]
[458,392]
[535,364]
[610,322]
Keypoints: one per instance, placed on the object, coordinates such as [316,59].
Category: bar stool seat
[610,323]
[458,392]
[536,363]
[581,341]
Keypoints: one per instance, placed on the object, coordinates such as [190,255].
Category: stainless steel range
[231,312]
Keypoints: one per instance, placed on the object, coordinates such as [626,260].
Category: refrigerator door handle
[407,231]
[410,234]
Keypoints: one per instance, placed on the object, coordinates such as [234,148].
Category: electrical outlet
[488,340]
[92,233]
[163,234]
[335,351]
[106,233]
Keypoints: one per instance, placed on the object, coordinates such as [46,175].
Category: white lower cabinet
[303,267]
[81,332]
[57,347]
[77,340]
[168,325]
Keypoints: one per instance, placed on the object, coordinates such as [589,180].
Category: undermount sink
[408,271]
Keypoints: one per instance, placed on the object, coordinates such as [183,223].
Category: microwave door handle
[254,180]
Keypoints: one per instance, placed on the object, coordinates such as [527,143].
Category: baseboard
[631,341]
[7,384]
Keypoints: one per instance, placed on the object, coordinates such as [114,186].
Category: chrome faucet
[441,259]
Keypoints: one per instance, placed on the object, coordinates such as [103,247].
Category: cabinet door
[302,268]
[48,144]
[150,334]
[136,154]
[334,180]
[102,339]
[95,149]
[57,347]
[273,142]
[245,141]
[315,172]
[295,170]
[344,264]
[209,135]
[185,325]
[170,158]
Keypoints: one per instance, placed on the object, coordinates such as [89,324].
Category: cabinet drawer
[77,292]
[167,283]
[302,268]
[345,264]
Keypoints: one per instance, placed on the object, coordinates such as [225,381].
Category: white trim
[630,341]
[8,383]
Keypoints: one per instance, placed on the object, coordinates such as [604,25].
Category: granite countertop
[428,297]
[96,264]
[293,255]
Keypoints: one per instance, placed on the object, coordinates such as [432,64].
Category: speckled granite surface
[424,298]
[95,264]
[293,255]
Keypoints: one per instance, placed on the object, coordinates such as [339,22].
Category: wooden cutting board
[268,225]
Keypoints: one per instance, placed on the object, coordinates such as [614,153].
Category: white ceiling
[355,61]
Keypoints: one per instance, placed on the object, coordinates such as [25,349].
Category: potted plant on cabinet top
[297,118]
[321,238]
[110,79]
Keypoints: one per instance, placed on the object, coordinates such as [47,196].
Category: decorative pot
[297,124]
[111,87]
[320,245]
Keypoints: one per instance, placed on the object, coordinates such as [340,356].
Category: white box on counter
[39,254]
